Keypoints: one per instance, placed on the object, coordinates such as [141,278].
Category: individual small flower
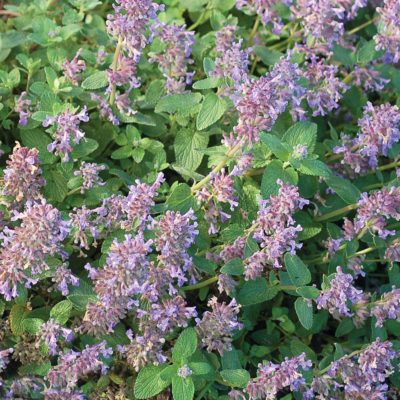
[90,175]
[73,68]
[236,249]
[387,308]
[124,74]
[23,175]
[175,233]
[22,107]
[300,152]
[144,349]
[4,358]
[66,131]
[62,278]
[104,108]
[74,365]
[264,99]
[368,78]
[51,332]
[216,327]
[389,29]
[184,371]
[226,284]
[140,199]
[175,57]
[392,252]
[325,89]
[340,295]
[83,225]
[272,378]
[267,10]
[232,61]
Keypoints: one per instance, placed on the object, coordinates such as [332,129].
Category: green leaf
[169,372]
[256,291]
[236,377]
[344,189]
[315,168]
[181,199]
[200,368]
[302,132]
[208,83]
[61,311]
[32,325]
[272,173]
[304,312]
[276,146]
[36,138]
[96,81]
[56,186]
[17,315]
[367,52]
[122,153]
[178,102]
[84,148]
[345,326]
[185,346]
[211,111]
[298,271]
[182,388]
[149,383]
[267,56]
[81,295]
[189,146]
[40,369]
[308,292]
[233,267]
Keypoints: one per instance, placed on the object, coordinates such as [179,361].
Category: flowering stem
[336,213]
[360,27]
[200,284]
[73,191]
[114,67]
[218,168]
[393,164]
[354,353]
[199,21]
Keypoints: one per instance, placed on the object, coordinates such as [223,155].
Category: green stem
[354,353]
[336,213]
[114,67]
[200,284]
[199,20]
[218,168]
[73,191]
[360,27]
[255,28]
[393,164]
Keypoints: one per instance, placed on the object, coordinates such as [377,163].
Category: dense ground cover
[200,199]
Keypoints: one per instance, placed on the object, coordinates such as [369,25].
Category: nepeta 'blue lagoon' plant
[200,199]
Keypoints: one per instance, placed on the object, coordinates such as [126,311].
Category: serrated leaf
[233,267]
[96,81]
[212,109]
[36,138]
[40,369]
[185,346]
[302,132]
[208,83]
[304,312]
[297,270]
[178,102]
[272,173]
[32,325]
[189,147]
[181,199]
[182,388]
[80,295]
[200,368]
[308,292]
[256,291]
[122,153]
[84,148]
[236,377]
[56,186]
[61,311]
[367,52]
[276,146]
[149,383]
[344,189]
[17,315]
[315,168]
